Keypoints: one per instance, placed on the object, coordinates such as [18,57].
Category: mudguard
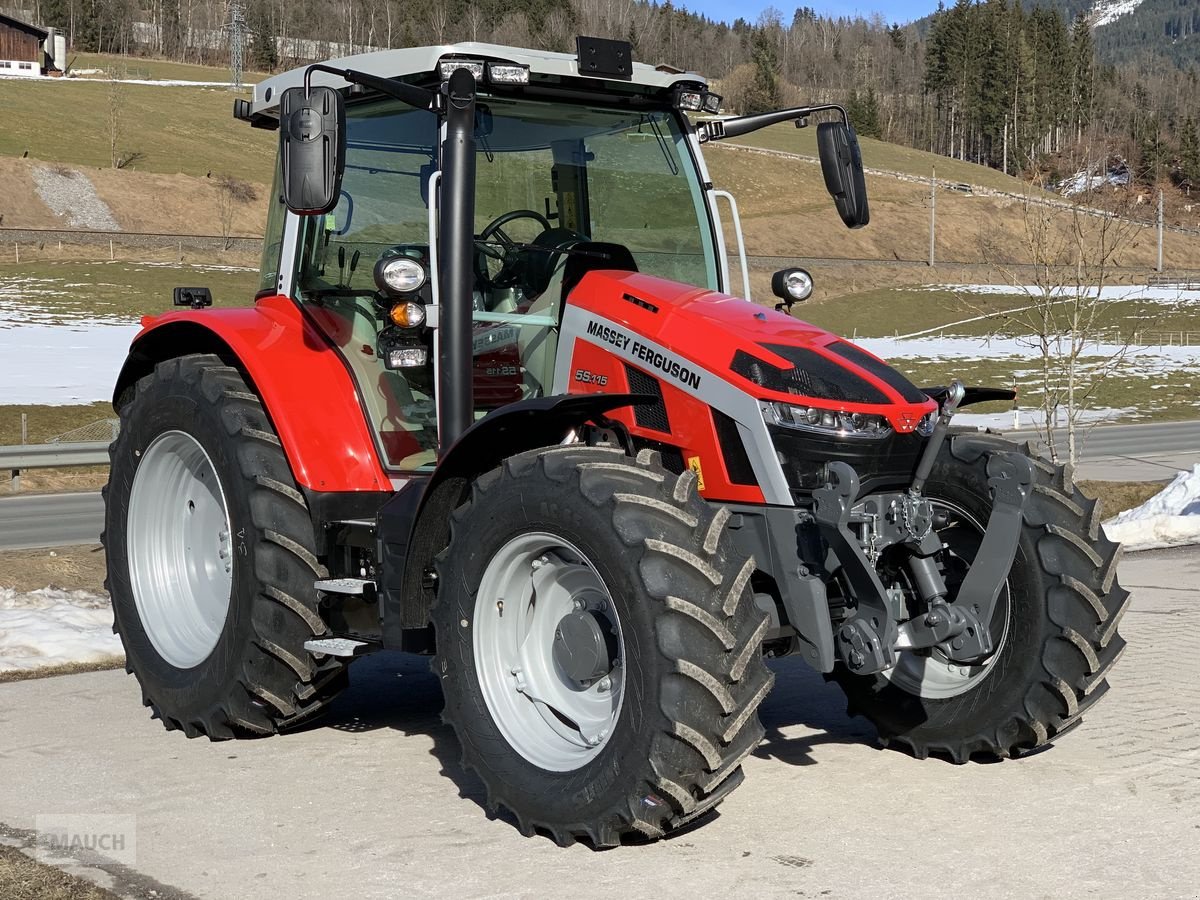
[414,524]
[302,381]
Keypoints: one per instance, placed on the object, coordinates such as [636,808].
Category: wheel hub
[582,646]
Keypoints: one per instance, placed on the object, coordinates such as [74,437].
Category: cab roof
[417,61]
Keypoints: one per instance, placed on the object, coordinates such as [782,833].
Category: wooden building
[22,48]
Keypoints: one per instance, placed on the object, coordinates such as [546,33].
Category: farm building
[28,51]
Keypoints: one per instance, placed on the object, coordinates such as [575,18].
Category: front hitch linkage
[960,630]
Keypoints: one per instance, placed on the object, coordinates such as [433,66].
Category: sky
[892,10]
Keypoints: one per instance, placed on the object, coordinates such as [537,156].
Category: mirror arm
[416,97]
[719,129]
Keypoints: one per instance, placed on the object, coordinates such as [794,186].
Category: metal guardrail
[54,456]
[51,456]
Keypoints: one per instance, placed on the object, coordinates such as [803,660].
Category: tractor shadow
[397,691]
[812,710]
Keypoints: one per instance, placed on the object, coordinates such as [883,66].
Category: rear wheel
[211,557]
[598,646]
[1054,626]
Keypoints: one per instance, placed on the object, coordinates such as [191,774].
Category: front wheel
[598,645]
[211,557]
[1054,626]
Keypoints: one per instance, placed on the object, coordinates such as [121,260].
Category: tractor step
[352,586]
[344,647]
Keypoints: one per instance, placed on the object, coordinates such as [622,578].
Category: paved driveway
[372,804]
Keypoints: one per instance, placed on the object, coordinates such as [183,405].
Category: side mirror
[312,148]
[793,285]
[841,163]
[195,297]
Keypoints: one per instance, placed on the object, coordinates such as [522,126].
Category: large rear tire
[1055,626]
[211,558]
[628,559]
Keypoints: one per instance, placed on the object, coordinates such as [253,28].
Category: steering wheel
[496,226]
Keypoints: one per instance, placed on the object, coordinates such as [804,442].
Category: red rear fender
[304,385]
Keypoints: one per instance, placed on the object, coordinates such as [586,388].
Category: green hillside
[174,129]
[891,157]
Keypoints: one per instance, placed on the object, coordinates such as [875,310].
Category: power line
[237,42]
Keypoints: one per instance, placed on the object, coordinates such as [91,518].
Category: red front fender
[304,385]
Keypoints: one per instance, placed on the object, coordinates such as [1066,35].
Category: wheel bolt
[856,659]
[604,684]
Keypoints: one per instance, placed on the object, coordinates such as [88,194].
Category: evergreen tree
[764,94]
[1154,152]
[1189,154]
[1083,72]
[264,52]
[863,110]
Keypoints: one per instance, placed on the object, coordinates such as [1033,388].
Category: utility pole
[932,213]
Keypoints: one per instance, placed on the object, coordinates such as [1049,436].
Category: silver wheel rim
[178,548]
[930,674]
[529,586]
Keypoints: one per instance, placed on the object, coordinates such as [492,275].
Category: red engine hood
[708,328]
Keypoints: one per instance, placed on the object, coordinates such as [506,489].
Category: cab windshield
[549,177]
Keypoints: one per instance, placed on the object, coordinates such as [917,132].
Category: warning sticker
[694,464]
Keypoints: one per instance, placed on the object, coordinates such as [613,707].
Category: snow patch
[61,364]
[1170,518]
[52,627]
[1036,418]
[1115,292]
[1166,358]
[1105,12]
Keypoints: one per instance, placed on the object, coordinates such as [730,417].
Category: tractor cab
[575,168]
[554,184]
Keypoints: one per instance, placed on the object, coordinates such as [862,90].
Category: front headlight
[827,421]
[399,275]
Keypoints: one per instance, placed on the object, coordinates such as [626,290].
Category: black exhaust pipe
[456,240]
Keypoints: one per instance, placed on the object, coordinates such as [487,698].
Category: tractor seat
[607,256]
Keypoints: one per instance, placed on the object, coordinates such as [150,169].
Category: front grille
[888,462]
[648,415]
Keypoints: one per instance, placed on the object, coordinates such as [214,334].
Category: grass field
[71,290]
[890,157]
[146,68]
[22,878]
[175,129]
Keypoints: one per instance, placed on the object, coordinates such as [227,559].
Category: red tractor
[496,403]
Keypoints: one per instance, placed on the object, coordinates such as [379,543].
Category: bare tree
[116,111]
[232,193]
[1070,252]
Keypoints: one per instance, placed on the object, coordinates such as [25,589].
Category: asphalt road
[50,520]
[371,801]
[1151,452]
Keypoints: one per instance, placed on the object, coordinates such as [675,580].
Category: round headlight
[399,275]
[798,284]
